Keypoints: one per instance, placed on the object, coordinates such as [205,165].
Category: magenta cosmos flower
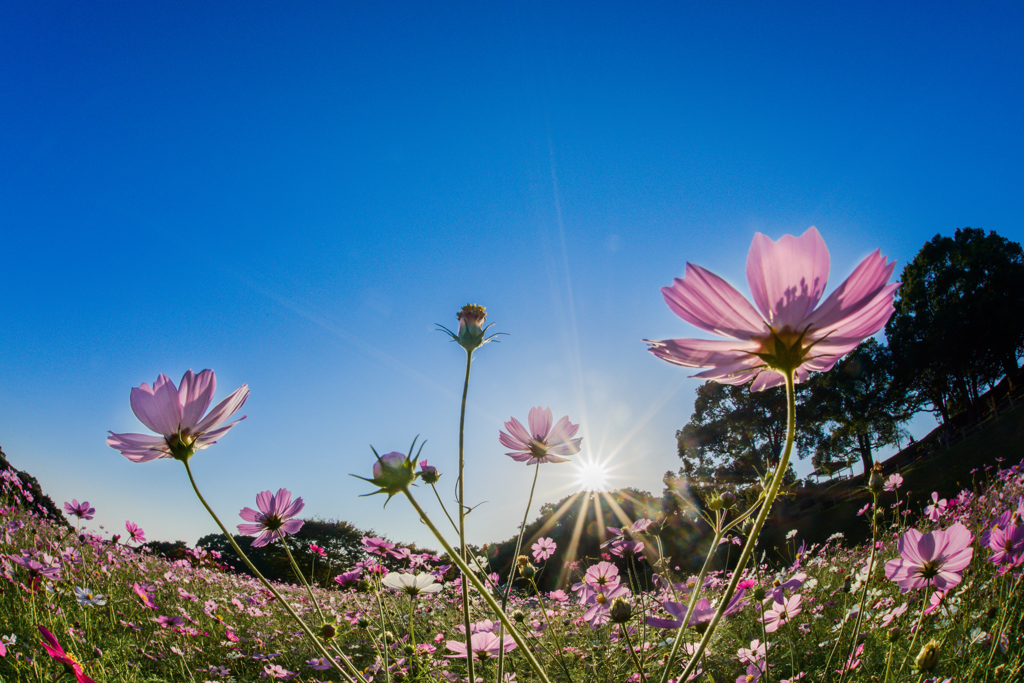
[71,664]
[787,330]
[80,510]
[176,414]
[543,549]
[275,514]
[933,559]
[542,443]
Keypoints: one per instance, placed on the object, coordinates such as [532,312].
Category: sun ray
[574,542]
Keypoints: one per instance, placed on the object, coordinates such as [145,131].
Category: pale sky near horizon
[295,194]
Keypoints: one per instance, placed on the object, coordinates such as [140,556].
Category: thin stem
[636,659]
[864,590]
[355,675]
[302,578]
[917,631]
[462,518]
[482,589]
[748,548]
[444,509]
[512,569]
[693,600]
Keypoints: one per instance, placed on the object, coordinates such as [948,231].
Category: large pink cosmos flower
[933,559]
[787,329]
[71,664]
[176,414]
[542,443]
[275,514]
[485,645]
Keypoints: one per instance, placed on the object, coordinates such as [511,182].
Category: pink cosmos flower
[71,665]
[135,533]
[275,514]
[787,279]
[781,612]
[542,443]
[543,549]
[1007,544]
[624,541]
[936,509]
[484,645]
[893,482]
[933,559]
[176,414]
[80,510]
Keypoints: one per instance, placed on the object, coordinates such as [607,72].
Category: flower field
[117,614]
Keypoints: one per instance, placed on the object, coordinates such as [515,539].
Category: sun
[592,476]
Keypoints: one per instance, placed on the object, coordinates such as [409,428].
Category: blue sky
[293,194]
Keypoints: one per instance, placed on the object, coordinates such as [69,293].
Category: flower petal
[707,301]
[157,407]
[223,410]
[787,278]
[195,394]
[540,423]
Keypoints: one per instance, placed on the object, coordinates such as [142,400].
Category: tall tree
[857,408]
[957,323]
[735,435]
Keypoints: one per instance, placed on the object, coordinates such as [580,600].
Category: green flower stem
[917,632]
[888,662]
[748,548]
[269,586]
[444,509]
[512,569]
[302,578]
[468,575]
[636,659]
[554,632]
[864,590]
[462,517]
[839,636]
[697,586]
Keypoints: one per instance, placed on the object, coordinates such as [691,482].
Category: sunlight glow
[592,476]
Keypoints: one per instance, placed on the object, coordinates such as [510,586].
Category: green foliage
[958,322]
[735,435]
[856,408]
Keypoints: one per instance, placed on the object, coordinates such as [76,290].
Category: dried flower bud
[928,658]
[620,612]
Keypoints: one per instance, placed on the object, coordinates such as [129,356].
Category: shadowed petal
[707,301]
[195,395]
[157,407]
[706,353]
[787,278]
[540,422]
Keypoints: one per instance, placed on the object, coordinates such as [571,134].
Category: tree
[957,323]
[857,408]
[735,435]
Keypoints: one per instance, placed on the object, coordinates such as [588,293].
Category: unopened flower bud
[728,499]
[387,636]
[409,650]
[875,481]
[362,622]
[392,473]
[471,326]
[518,616]
[759,593]
[114,539]
[714,502]
[847,583]
[894,634]
[928,658]
[327,631]
[566,622]
[428,473]
[527,571]
[620,612]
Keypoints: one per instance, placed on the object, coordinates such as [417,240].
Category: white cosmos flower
[413,584]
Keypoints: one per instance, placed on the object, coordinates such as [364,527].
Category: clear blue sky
[293,194]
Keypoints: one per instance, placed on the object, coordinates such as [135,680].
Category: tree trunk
[864,447]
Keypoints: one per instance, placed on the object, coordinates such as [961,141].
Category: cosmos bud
[928,658]
[620,612]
